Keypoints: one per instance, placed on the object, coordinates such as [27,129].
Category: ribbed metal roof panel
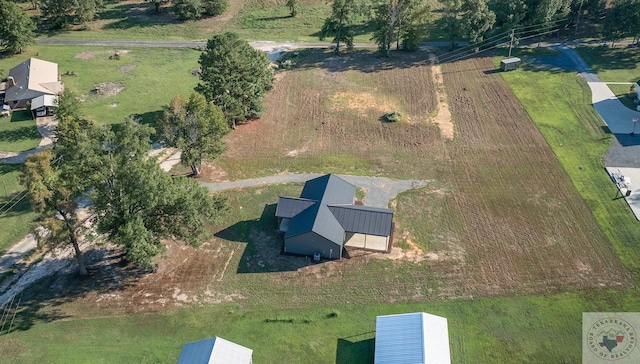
[412,338]
[363,219]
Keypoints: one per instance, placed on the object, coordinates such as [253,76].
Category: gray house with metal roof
[324,219]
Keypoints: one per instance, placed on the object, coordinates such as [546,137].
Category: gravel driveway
[379,190]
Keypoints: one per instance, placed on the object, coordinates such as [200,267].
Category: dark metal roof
[289,207]
[363,219]
[326,207]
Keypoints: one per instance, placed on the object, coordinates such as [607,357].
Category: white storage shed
[412,338]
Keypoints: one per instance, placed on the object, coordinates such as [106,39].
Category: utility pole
[513,33]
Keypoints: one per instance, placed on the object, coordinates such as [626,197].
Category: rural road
[16,252]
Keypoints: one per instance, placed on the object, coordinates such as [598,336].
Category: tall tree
[16,28]
[61,13]
[195,127]
[214,7]
[509,14]
[293,7]
[337,24]
[477,19]
[187,9]
[399,20]
[235,77]
[56,178]
[620,19]
[137,204]
[54,199]
[451,10]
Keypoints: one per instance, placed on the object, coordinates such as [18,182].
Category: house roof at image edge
[215,350]
[326,207]
[33,77]
[412,338]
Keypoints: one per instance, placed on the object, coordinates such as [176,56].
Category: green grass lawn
[148,78]
[15,222]
[620,64]
[18,133]
[622,92]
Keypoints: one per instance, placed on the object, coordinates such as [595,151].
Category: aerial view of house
[322,182]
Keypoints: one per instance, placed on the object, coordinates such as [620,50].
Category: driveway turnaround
[379,190]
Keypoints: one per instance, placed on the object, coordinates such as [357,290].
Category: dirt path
[443,117]
[46,127]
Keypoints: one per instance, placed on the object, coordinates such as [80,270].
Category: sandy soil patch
[128,68]
[361,102]
[107,89]
[92,54]
[443,117]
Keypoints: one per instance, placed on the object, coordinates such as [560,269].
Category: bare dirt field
[503,217]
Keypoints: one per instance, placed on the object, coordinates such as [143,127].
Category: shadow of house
[263,250]
[354,352]
[324,220]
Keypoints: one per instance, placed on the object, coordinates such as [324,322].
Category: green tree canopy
[16,28]
[195,127]
[137,204]
[235,77]
[61,13]
[337,24]
[57,178]
[52,197]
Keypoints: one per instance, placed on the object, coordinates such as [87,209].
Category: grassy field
[238,286]
[15,221]
[252,19]
[18,133]
[619,64]
[140,82]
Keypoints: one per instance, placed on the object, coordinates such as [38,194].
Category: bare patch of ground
[92,54]
[107,89]
[361,103]
[443,116]
[128,68]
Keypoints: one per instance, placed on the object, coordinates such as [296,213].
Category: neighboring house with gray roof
[215,350]
[324,219]
[29,80]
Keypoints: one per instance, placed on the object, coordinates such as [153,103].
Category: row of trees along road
[406,23]
[134,204]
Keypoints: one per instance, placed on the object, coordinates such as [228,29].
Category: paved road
[17,252]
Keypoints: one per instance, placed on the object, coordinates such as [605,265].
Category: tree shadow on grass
[40,302]
[355,351]
[264,250]
[368,61]
[18,134]
[602,58]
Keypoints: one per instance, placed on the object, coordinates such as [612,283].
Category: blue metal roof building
[412,338]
